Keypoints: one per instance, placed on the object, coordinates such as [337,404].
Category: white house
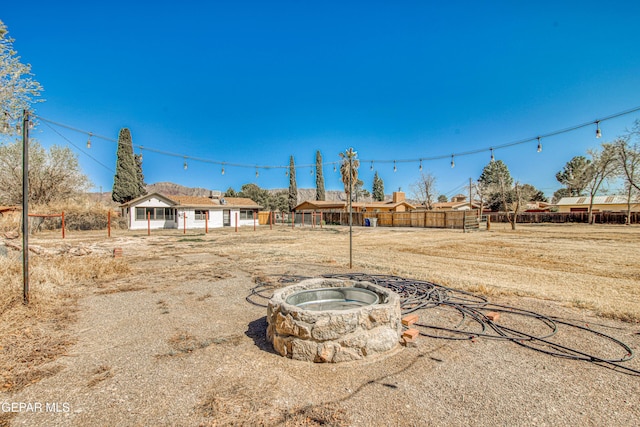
[158,211]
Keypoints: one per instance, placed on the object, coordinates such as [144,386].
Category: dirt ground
[175,342]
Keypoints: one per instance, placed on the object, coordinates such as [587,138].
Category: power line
[493,148]
[80,149]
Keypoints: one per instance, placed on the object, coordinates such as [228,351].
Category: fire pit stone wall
[333,335]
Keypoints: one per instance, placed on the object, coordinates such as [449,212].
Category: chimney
[398,196]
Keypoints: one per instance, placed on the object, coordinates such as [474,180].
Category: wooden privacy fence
[563,217]
[423,219]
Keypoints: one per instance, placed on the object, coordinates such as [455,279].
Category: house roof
[198,202]
[148,196]
[597,200]
[194,201]
[323,204]
[454,205]
[241,202]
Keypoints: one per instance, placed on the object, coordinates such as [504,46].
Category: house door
[226,218]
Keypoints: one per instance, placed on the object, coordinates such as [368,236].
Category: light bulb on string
[371,168]
[334,167]
[420,168]
[598,131]
[493,158]
[89,140]
[311,171]
[186,166]
[453,164]
[539,145]
[286,172]
[257,173]
[395,169]
[222,171]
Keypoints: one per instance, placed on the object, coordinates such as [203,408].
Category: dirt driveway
[175,342]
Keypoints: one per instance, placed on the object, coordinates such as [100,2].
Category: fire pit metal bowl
[333,320]
[333,298]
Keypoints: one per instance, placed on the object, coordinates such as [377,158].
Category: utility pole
[25,206]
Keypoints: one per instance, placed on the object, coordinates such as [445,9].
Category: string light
[395,169]
[89,140]
[257,173]
[493,158]
[311,171]
[6,127]
[286,172]
[420,168]
[186,166]
[222,171]
[371,168]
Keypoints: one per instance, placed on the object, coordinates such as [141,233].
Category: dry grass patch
[34,335]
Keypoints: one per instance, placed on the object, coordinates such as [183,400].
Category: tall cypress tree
[139,175]
[125,182]
[319,178]
[378,188]
[293,187]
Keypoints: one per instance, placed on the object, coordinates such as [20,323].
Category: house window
[201,215]
[154,213]
[246,214]
[159,213]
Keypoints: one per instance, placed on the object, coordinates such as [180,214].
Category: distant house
[458,203]
[615,203]
[396,204]
[158,211]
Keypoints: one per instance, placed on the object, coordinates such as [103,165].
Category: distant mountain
[171,189]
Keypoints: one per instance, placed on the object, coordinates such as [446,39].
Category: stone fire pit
[333,320]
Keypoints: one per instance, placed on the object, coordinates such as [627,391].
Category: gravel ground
[176,343]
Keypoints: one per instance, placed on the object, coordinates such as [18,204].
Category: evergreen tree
[293,187]
[378,188]
[140,175]
[126,186]
[319,178]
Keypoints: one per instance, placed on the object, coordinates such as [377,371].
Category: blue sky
[253,83]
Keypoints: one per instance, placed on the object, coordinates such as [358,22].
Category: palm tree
[349,170]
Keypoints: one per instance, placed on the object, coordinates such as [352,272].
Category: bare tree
[604,166]
[18,89]
[628,158]
[424,189]
[54,175]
